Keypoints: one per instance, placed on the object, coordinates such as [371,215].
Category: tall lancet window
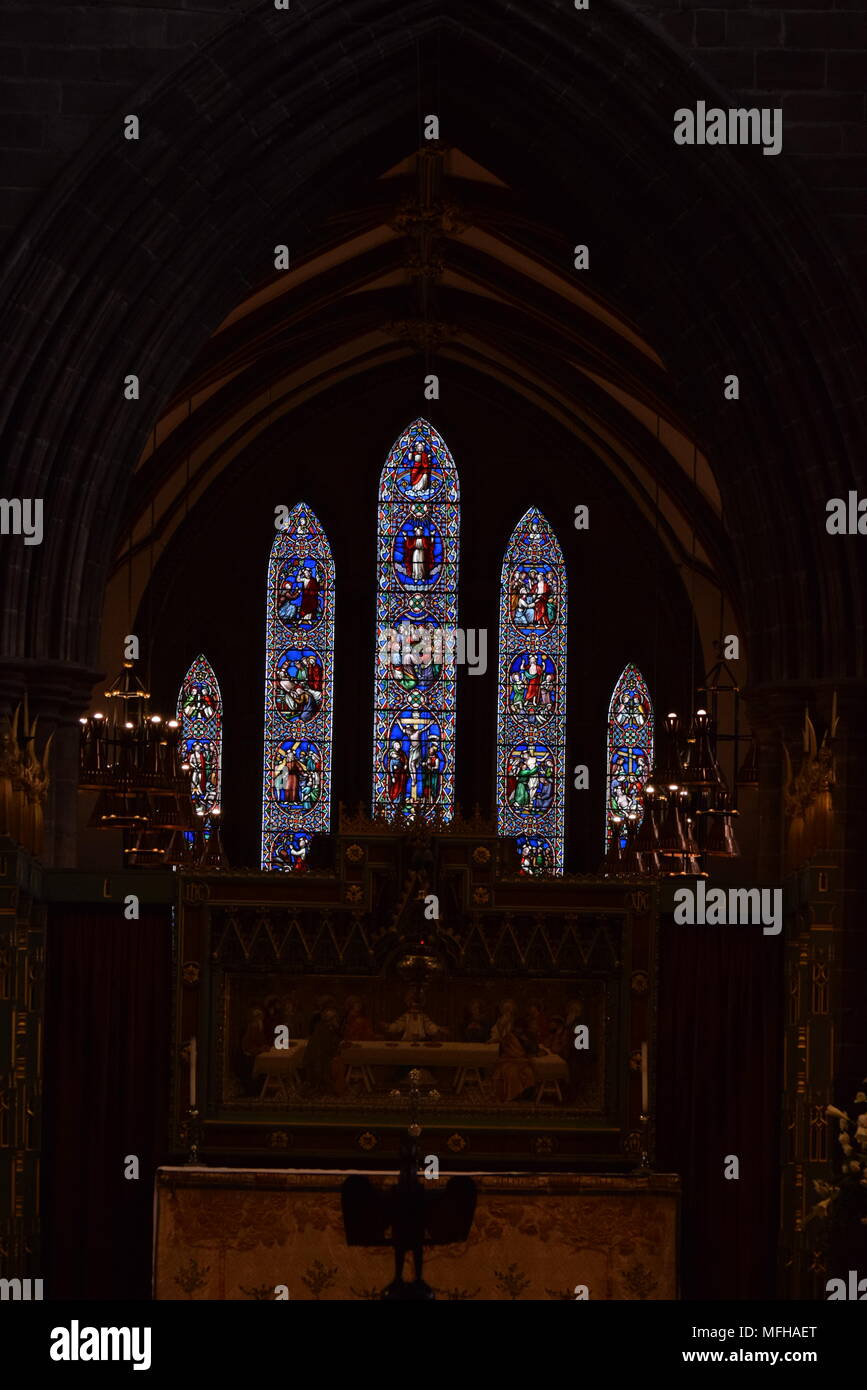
[200,716]
[630,750]
[299,670]
[416,615]
[531,718]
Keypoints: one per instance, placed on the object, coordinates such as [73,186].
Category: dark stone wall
[65,69]
[725,259]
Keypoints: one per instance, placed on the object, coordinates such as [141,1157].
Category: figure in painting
[419,473]
[291,850]
[355,1026]
[418,555]
[543,608]
[299,682]
[530,779]
[431,769]
[513,1075]
[323,1070]
[476,1027]
[199,703]
[287,776]
[294,1016]
[398,772]
[533,598]
[414,1025]
[299,596]
[415,648]
[296,776]
[253,1041]
[537,1022]
[557,1035]
[200,756]
[531,687]
[535,855]
[414,763]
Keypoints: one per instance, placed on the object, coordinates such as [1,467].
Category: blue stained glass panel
[629,751]
[416,612]
[531,726]
[299,672]
[200,716]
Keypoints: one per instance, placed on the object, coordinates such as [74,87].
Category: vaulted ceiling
[440,262]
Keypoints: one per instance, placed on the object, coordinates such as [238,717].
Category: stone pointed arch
[139,251]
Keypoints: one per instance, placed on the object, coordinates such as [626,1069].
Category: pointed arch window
[630,750]
[532,696]
[200,716]
[299,671]
[416,614]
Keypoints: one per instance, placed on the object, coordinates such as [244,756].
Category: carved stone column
[22,936]
[849,798]
[57,695]
[818,826]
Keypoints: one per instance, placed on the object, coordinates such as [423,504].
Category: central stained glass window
[416,634]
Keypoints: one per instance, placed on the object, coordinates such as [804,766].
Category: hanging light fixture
[719,836]
[131,758]
[632,865]
[646,839]
[212,855]
[612,864]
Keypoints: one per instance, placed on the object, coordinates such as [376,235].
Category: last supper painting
[433,658]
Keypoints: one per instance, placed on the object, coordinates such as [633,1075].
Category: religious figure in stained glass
[417,580]
[530,709]
[299,669]
[630,750]
[200,716]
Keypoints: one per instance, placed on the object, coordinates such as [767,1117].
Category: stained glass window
[531,719]
[200,716]
[299,669]
[630,750]
[416,615]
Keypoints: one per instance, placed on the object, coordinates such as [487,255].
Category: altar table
[233,1233]
[282,1062]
